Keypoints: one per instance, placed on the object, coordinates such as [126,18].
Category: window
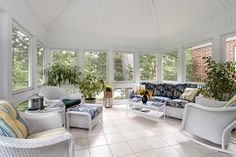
[170,66]
[148,65]
[96,61]
[230,46]
[123,66]
[195,64]
[121,93]
[64,57]
[40,63]
[20,59]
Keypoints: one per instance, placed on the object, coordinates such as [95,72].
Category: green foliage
[20,66]
[63,57]
[189,66]
[170,65]
[91,84]
[220,83]
[40,64]
[59,74]
[148,65]
[97,62]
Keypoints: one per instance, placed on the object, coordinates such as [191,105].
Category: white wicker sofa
[55,144]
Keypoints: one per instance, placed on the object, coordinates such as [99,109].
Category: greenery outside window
[97,61]
[170,66]
[64,57]
[40,63]
[148,65]
[123,66]
[195,64]
[21,42]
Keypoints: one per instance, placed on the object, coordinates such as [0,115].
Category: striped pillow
[231,102]
[190,94]
[11,124]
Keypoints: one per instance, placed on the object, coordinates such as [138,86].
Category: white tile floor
[132,136]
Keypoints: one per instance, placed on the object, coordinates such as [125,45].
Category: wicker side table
[107,100]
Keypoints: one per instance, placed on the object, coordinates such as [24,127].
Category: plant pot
[209,102]
[90,100]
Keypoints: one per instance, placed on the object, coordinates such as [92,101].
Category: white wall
[19,12]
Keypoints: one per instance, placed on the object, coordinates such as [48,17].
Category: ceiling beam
[61,15]
[155,18]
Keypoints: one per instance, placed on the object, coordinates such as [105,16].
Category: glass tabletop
[49,107]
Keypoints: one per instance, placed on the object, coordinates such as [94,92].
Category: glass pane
[96,61]
[121,93]
[170,66]
[148,64]
[123,67]
[40,63]
[20,59]
[64,57]
[230,46]
[195,64]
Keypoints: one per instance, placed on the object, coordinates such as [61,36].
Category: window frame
[123,52]
[207,42]
[147,53]
[30,62]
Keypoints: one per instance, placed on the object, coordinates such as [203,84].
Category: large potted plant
[62,74]
[220,83]
[90,85]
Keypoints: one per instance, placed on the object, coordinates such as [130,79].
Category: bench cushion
[92,110]
[49,133]
[71,102]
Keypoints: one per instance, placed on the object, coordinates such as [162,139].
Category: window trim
[30,66]
[123,52]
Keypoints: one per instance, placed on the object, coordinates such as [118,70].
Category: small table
[148,110]
[58,107]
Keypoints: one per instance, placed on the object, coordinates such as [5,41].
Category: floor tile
[97,141]
[150,153]
[121,149]
[82,153]
[114,138]
[167,152]
[81,143]
[156,142]
[138,145]
[102,151]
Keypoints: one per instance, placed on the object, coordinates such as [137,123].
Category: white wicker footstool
[81,118]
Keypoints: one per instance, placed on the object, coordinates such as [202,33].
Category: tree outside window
[40,63]
[123,66]
[195,64]
[96,60]
[170,66]
[148,65]
[64,57]
[20,59]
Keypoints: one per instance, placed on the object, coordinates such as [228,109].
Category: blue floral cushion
[92,110]
[177,103]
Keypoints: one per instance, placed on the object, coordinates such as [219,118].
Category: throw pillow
[189,94]
[11,123]
[231,102]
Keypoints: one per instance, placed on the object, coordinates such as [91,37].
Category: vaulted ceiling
[148,19]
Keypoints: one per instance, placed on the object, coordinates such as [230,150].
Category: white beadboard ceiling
[144,19]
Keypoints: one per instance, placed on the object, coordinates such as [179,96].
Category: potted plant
[62,74]
[90,84]
[220,81]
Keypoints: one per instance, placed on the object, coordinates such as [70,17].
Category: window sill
[14,92]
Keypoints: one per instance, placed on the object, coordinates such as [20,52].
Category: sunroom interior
[129,44]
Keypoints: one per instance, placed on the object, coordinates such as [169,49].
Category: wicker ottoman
[84,116]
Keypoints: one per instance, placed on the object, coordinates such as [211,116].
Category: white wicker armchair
[54,94]
[55,146]
[212,124]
